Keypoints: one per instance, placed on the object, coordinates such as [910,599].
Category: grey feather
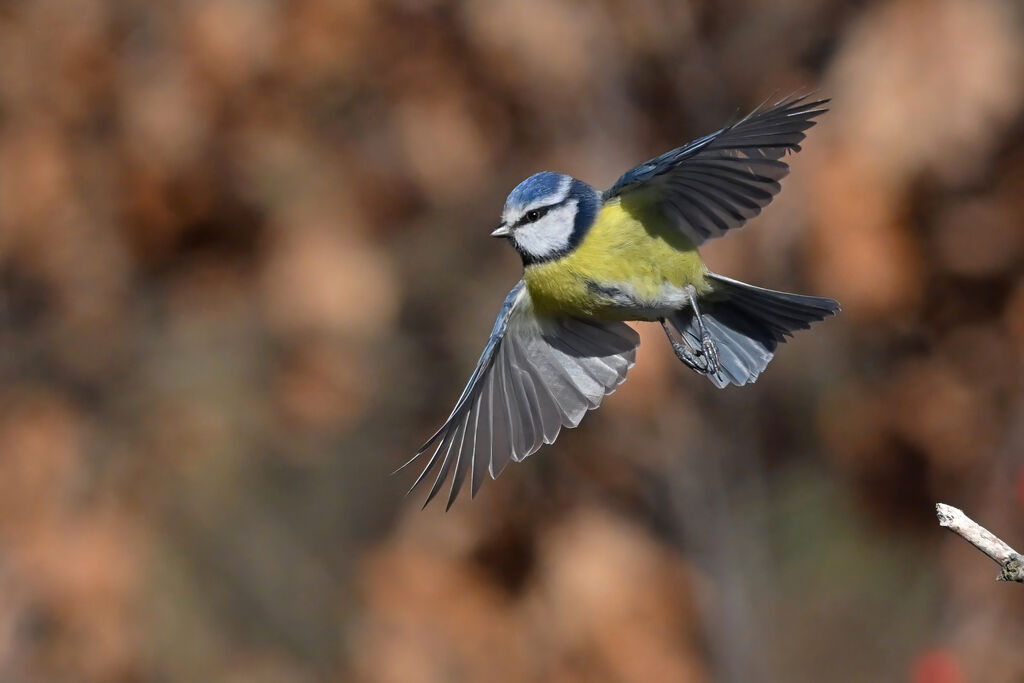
[747,323]
[720,181]
[536,375]
[481,442]
[502,445]
[539,395]
[462,464]
[446,446]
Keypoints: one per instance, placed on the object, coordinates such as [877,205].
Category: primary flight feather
[592,260]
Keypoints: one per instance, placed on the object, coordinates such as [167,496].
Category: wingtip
[799,102]
[411,460]
[402,467]
[414,485]
[811,110]
[431,496]
[800,95]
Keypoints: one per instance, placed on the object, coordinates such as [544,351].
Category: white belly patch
[625,298]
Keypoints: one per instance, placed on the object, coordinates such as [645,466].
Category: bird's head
[547,215]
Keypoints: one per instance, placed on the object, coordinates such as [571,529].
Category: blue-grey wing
[536,375]
[722,180]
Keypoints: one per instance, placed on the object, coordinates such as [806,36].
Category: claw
[709,350]
[703,359]
[692,358]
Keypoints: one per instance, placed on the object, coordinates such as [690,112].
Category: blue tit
[594,259]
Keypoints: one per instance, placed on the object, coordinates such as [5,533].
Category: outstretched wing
[722,180]
[536,375]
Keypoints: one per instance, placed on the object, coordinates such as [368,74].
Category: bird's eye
[535,215]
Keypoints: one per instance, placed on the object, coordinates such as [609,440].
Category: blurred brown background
[245,271]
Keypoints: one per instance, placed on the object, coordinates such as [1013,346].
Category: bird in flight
[592,260]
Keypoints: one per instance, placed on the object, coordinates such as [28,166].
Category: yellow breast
[627,249]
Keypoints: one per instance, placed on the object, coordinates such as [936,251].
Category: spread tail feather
[747,323]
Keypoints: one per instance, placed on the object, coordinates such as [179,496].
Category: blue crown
[536,187]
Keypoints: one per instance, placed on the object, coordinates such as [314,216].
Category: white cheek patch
[550,234]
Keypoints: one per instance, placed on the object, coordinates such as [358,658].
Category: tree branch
[984,540]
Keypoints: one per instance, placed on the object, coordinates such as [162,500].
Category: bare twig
[984,540]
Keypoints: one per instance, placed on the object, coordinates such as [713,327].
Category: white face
[543,227]
[548,235]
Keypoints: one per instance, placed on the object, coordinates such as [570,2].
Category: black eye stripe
[534,215]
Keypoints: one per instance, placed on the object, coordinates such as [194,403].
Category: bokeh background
[245,271]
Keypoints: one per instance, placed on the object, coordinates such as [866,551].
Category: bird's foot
[708,349]
[689,358]
[703,360]
[709,352]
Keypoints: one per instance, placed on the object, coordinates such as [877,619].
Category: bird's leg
[708,348]
[683,353]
